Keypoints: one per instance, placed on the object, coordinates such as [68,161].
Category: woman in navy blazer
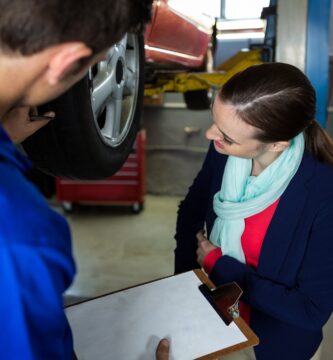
[291,290]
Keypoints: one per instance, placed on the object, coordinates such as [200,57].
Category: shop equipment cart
[126,187]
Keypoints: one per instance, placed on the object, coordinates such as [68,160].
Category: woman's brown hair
[280,101]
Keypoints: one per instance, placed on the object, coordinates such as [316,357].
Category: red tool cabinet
[126,187]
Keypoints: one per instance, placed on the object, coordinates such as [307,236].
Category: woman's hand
[204,246]
[18,125]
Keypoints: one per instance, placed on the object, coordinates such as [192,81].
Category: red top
[252,239]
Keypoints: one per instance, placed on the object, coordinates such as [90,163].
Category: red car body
[177,35]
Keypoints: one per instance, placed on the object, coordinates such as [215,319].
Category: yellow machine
[182,82]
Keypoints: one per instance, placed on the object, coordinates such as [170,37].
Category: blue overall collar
[9,153]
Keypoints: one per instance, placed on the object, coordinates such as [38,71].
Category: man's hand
[18,125]
[162,352]
[204,246]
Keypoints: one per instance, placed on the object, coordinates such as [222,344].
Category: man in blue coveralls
[45,47]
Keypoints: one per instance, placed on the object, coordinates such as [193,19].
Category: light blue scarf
[242,195]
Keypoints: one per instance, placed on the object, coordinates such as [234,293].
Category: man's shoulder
[16,189]
[25,214]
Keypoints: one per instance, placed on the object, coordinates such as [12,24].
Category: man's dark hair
[29,26]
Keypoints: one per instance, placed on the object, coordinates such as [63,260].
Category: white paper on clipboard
[128,325]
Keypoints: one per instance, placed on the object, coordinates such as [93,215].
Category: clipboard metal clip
[234,311]
[224,299]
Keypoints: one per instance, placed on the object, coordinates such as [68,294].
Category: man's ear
[64,58]
[279,146]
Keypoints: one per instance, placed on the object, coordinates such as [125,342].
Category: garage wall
[291,32]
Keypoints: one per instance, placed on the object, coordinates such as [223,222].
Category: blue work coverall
[36,266]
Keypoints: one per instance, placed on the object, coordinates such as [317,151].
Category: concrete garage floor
[115,249]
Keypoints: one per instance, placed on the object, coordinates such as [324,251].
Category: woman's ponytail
[319,143]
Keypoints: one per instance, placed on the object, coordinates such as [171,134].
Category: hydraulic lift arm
[182,82]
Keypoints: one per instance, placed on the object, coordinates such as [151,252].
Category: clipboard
[200,320]
[227,308]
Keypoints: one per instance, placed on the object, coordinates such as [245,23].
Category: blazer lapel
[285,220]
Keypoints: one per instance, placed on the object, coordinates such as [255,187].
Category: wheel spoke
[118,92]
[111,129]
[130,82]
[122,45]
[102,89]
[110,52]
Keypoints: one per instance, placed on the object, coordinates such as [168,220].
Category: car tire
[96,120]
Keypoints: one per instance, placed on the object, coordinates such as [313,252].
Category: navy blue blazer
[291,291]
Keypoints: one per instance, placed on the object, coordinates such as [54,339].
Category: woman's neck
[260,163]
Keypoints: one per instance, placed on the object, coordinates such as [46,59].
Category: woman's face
[231,135]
